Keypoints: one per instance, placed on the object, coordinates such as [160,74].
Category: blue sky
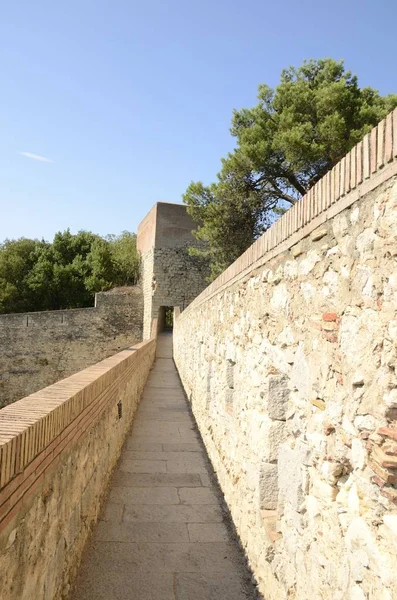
[131,101]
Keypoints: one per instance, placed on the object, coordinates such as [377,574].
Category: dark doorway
[169,318]
[166,318]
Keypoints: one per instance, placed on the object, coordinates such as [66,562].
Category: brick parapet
[36,430]
[369,164]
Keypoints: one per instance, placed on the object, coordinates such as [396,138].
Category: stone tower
[170,276]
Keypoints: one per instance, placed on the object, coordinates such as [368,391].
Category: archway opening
[166,318]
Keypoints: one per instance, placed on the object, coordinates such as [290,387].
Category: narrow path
[163,534]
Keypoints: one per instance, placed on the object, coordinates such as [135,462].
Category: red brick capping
[37,430]
[369,164]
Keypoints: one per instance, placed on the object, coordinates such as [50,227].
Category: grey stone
[141,532]
[102,584]
[203,532]
[290,477]
[142,446]
[113,511]
[135,558]
[143,466]
[187,466]
[145,495]
[268,486]
[123,479]
[193,586]
[197,496]
[179,513]
[181,447]
[278,395]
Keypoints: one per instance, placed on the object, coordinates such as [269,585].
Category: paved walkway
[163,534]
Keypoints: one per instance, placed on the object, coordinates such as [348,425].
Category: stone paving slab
[145,495]
[218,557]
[164,533]
[193,458]
[206,513]
[123,479]
[143,466]
[146,531]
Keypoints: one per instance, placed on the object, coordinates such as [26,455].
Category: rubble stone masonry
[170,275]
[38,349]
[289,361]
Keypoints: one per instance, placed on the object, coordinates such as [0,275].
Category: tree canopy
[284,145]
[38,275]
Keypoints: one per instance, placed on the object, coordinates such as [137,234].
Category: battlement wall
[39,348]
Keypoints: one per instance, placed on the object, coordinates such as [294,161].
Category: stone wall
[289,360]
[57,451]
[38,349]
[170,276]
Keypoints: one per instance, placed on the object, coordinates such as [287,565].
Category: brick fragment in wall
[388,432]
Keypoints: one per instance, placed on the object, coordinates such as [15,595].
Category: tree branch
[291,177]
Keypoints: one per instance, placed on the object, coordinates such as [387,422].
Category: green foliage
[37,275]
[285,144]
[125,256]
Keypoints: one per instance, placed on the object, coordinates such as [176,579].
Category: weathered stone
[357,593]
[44,347]
[268,486]
[318,234]
[297,250]
[278,395]
[272,435]
[290,477]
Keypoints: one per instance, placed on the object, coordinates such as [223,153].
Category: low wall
[289,360]
[57,451]
[38,349]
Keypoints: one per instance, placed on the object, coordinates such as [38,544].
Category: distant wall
[57,451]
[37,349]
[289,360]
[170,276]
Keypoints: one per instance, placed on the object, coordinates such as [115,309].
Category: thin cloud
[36,157]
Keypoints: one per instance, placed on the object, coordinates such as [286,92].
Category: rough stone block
[268,486]
[278,397]
[290,477]
[272,436]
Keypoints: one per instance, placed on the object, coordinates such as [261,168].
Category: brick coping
[369,164]
[35,430]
